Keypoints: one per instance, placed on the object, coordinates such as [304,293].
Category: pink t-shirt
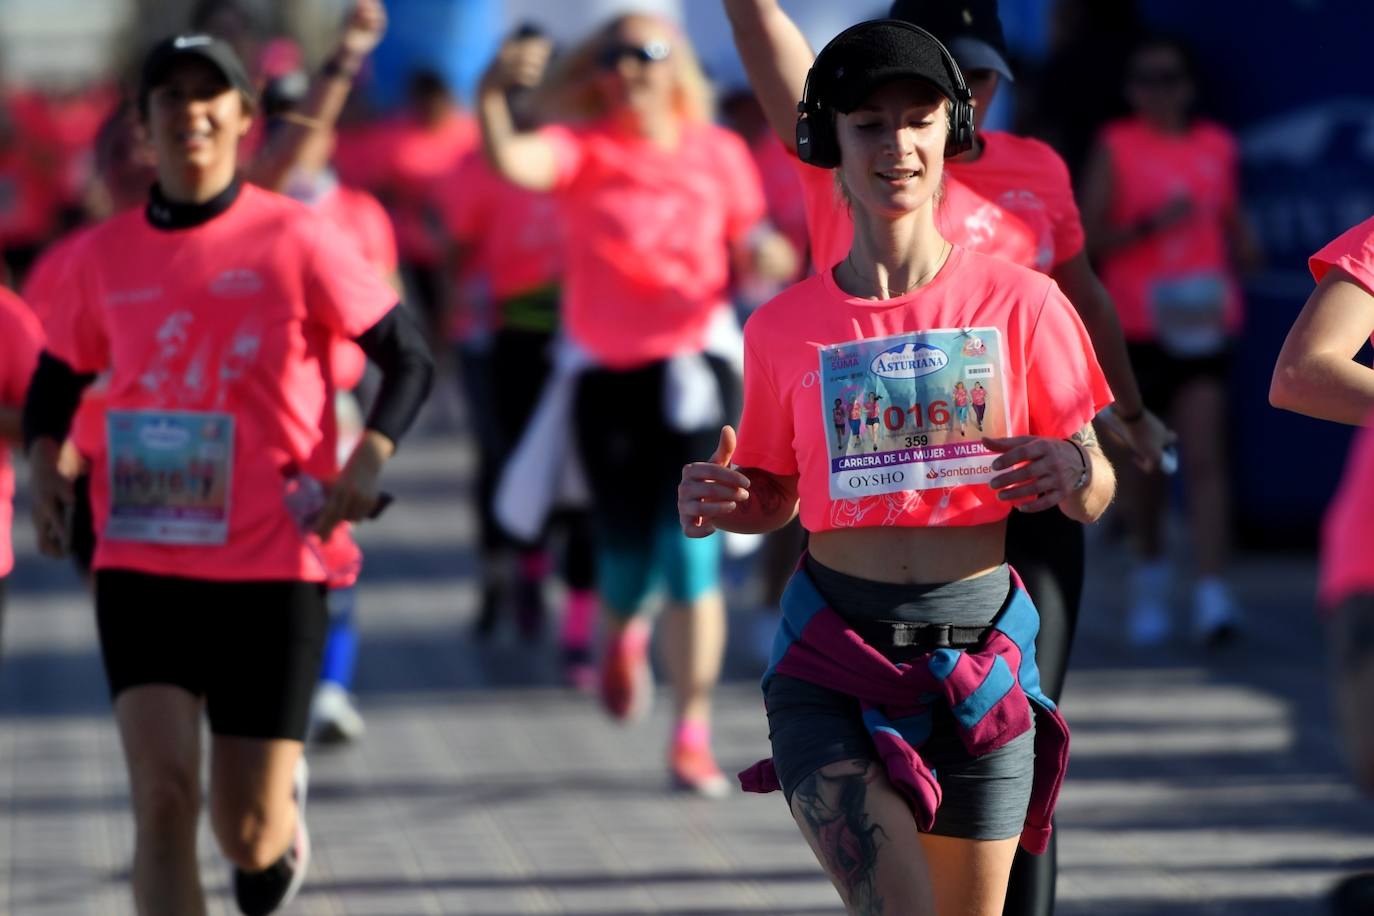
[43,289]
[1348,535]
[513,236]
[21,338]
[1150,169]
[401,160]
[1015,202]
[782,190]
[1353,252]
[648,236]
[363,219]
[218,340]
[981,317]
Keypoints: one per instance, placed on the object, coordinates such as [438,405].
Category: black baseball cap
[213,50]
[971,29]
[871,54]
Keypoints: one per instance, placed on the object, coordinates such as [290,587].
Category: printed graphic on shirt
[917,407]
[170,476]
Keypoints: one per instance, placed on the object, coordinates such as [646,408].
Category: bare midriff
[912,555]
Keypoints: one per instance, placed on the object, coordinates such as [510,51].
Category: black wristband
[334,69]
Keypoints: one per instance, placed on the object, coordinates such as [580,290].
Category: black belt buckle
[925,635]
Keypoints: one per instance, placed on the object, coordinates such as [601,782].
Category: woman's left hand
[354,494]
[1043,471]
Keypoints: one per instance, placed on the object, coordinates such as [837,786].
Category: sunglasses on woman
[611,57]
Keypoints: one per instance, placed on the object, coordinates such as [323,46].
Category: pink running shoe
[627,684]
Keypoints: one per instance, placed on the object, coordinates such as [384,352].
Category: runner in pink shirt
[1316,373]
[657,201]
[214,310]
[1006,196]
[21,337]
[508,243]
[903,316]
[1161,203]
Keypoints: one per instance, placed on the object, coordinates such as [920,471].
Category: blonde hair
[570,91]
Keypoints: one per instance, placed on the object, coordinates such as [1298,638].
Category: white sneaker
[334,719]
[1148,619]
[1216,618]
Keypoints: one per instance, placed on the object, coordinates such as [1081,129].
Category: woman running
[215,311]
[1161,205]
[660,200]
[1316,373]
[979,396]
[1007,196]
[961,406]
[837,417]
[871,407]
[912,799]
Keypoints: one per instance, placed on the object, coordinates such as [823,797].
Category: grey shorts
[983,797]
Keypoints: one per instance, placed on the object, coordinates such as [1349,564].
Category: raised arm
[1316,373]
[523,158]
[777,56]
[329,91]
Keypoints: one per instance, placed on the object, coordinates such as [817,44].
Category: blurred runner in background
[1161,202]
[656,201]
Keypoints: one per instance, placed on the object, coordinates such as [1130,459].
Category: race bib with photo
[170,476]
[923,402]
[1190,314]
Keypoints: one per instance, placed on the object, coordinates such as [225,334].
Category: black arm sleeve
[398,347]
[53,396]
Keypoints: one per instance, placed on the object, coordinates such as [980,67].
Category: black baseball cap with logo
[971,29]
[208,48]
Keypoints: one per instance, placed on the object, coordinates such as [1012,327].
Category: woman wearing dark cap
[215,312]
[1011,197]
[911,755]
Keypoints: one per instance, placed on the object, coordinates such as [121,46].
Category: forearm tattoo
[832,807]
[1086,437]
[766,498]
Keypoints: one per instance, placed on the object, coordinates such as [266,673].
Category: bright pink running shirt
[1054,385]
[364,220]
[21,337]
[514,236]
[235,317]
[1015,202]
[1348,535]
[1353,252]
[1150,169]
[648,236]
[43,288]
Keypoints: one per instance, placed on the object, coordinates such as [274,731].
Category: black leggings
[1047,549]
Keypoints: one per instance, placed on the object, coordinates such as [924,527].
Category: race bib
[1190,314]
[924,402]
[171,475]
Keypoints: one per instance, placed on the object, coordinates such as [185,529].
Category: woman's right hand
[520,62]
[710,489]
[53,497]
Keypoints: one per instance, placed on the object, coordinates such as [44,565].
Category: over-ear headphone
[817,142]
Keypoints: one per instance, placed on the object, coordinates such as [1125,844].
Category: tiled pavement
[1200,785]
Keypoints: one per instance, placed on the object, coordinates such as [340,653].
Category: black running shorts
[251,649]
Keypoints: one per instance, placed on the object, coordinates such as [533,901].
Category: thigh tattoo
[832,806]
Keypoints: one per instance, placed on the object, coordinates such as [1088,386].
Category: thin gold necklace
[923,278]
